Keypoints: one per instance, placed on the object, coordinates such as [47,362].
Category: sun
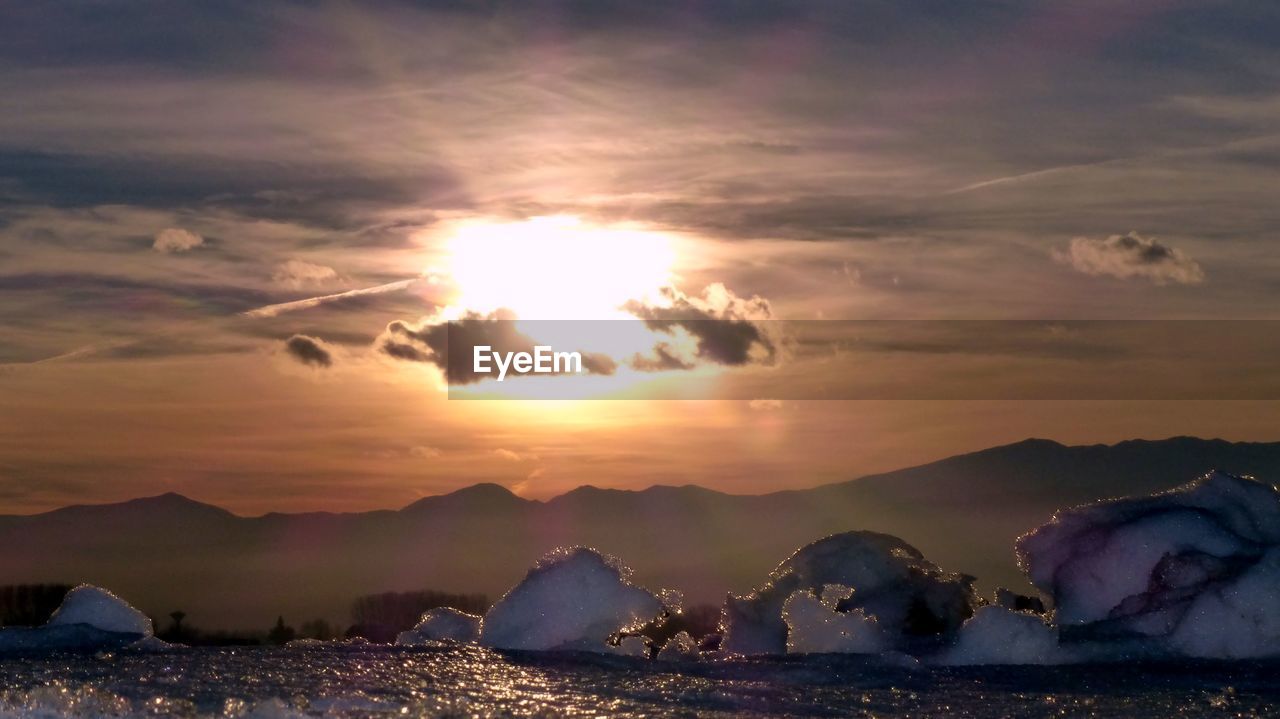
[547,270]
[556,268]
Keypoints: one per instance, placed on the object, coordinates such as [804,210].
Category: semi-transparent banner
[697,358]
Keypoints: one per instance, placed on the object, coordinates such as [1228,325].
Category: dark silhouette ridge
[483,495]
[148,506]
[229,571]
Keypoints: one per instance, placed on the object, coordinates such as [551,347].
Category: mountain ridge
[170,552]
[494,491]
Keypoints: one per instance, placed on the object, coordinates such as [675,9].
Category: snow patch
[572,599]
[442,624]
[87,604]
[681,647]
[814,626]
[996,635]
[1237,620]
[88,618]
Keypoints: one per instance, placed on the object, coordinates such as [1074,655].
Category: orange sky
[175,216]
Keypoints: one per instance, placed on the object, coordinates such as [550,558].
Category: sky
[227,230]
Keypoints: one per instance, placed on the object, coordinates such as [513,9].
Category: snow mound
[98,608]
[572,599]
[996,635]
[89,618]
[815,627]
[442,624]
[71,637]
[1236,620]
[1195,567]
[681,647]
[629,647]
[891,581]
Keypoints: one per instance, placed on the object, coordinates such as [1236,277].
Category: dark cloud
[662,359]
[314,194]
[728,329]
[1131,256]
[598,363]
[154,32]
[308,351]
[450,345]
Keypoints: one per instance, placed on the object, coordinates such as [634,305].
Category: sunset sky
[226,228]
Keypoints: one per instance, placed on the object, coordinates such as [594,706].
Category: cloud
[425,452]
[308,303]
[297,274]
[663,359]
[512,456]
[1129,256]
[309,351]
[765,404]
[449,345]
[175,239]
[727,329]
[598,363]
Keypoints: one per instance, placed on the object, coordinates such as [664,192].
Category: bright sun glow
[561,268]
[556,268]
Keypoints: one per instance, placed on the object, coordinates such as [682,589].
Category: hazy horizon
[484,483]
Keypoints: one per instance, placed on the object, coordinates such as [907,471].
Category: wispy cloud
[298,274]
[295,305]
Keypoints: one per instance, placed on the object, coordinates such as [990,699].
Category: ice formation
[89,618]
[152,643]
[442,624]
[87,604]
[907,595]
[996,635]
[572,599]
[1197,567]
[681,647]
[632,646]
[815,627]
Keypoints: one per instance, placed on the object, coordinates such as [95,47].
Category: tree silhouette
[316,629]
[280,633]
[30,605]
[398,611]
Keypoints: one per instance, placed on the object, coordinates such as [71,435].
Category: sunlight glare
[556,268]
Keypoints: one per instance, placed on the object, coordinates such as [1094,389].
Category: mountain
[169,552]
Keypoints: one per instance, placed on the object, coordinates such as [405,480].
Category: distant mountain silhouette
[162,506]
[170,552]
